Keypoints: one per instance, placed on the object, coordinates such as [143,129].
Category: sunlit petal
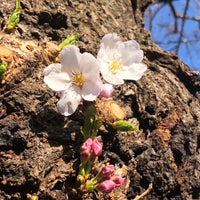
[132,53]
[91,89]
[89,66]
[110,40]
[133,72]
[69,58]
[69,101]
[110,45]
[56,79]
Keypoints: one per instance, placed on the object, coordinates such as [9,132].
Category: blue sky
[163,30]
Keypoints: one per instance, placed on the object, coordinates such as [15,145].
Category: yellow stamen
[77,78]
[115,65]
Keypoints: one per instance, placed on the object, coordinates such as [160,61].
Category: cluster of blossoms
[105,181]
[77,76]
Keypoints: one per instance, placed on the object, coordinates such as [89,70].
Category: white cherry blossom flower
[119,60]
[76,77]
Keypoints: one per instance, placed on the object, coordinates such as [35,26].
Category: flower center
[115,65]
[77,78]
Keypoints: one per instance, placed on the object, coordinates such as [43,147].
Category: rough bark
[39,147]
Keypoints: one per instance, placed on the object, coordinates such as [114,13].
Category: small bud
[80,178]
[85,149]
[118,179]
[3,68]
[96,147]
[71,39]
[107,90]
[106,186]
[87,145]
[106,171]
[123,125]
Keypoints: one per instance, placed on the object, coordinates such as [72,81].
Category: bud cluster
[105,181]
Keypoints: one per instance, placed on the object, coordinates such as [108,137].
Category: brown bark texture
[39,148]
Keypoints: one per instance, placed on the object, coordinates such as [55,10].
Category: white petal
[56,79]
[133,72]
[131,53]
[110,40]
[132,45]
[69,101]
[110,45]
[91,89]
[69,58]
[113,79]
[89,66]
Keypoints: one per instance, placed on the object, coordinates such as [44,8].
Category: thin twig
[144,193]
[182,27]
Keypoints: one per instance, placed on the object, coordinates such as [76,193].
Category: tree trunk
[39,148]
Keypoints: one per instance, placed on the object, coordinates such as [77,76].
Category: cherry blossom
[120,60]
[76,77]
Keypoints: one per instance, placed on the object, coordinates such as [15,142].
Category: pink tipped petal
[69,58]
[133,72]
[69,101]
[55,79]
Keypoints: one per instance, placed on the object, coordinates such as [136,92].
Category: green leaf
[123,125]
[91,123]
[3,68]
[71,39]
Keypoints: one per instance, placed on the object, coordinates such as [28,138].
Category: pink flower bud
[107,90]
[106,186]
[87,145]
[118,179]
[85,149]
[106,171]
[96,147]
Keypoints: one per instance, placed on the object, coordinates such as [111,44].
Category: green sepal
[3,68]
[71,39]
[91,184]
[123,125]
